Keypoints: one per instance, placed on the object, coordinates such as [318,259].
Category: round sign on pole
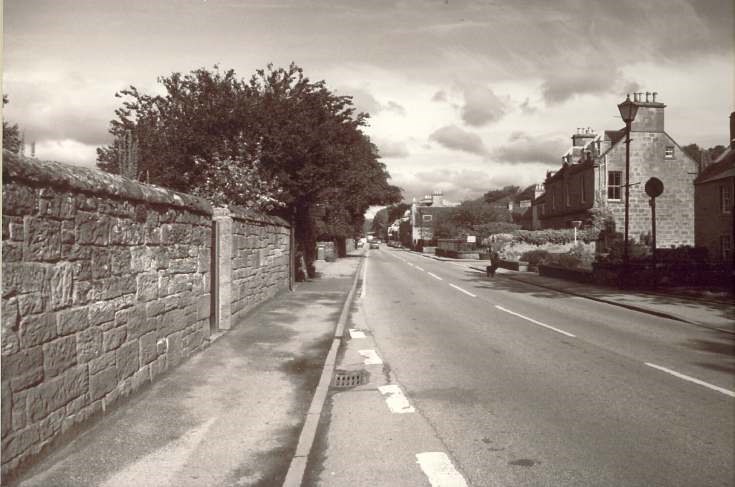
[654,187]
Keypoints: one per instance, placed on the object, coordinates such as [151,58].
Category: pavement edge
[297,468]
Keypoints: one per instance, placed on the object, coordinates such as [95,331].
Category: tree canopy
[278,140]
[11,133]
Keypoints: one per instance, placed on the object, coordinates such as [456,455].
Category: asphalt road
[517,385]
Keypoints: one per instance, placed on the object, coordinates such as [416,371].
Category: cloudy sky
[464,95]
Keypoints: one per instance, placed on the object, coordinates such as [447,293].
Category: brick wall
[107,283]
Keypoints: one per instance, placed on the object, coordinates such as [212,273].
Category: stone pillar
[222,272]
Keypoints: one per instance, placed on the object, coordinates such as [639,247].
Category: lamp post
[576,224]
[628,110]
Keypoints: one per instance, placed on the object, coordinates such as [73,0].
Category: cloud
[526,107]
[363,100]
[68,151]
[440,96]
[456,185]
[395,107]
[61,106]
[392,148]
[481,106]
[568,82]
[453,137]
[523,148]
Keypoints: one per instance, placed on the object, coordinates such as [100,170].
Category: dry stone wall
[106,284]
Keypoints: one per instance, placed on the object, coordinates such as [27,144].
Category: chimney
[650,116]
[732,130]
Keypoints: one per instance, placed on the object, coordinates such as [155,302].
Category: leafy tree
[498,194]
[696,152]
[278,139]
[202,115]
[11,133]
[313,144]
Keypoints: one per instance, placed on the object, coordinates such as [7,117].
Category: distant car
[375,245]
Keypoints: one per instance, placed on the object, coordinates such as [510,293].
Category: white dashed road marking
[535,322]
[439,469]
[397,402]
[462,290]
[355,333]
[724,391]
[371,357]
[435,276]
[419,268]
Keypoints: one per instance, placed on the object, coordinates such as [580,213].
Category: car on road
[375,244]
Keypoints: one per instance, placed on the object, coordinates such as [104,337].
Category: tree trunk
[305,237]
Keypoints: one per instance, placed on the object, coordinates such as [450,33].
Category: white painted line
[460,289]
[419,268]
[439,469]
[363,289]
[355,333]
[435,276]
[396,400]
[724,391]
[410,264]
[535,322]
[371,357]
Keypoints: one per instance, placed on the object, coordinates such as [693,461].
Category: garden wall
[106,284]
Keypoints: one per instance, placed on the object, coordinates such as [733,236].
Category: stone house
[714,194]
[592,175]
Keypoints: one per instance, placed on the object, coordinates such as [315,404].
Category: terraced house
[715,204]
[592,175]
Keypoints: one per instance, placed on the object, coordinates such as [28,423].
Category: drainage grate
[350,378]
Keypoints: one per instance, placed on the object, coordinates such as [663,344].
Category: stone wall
[260,259]
[675,207]
[106,284]
[712,223]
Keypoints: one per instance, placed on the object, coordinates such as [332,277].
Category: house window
[426,218]
[726,248]
[669,153]
[614,183]
[725,198]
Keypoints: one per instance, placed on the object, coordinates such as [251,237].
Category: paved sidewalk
[229,416]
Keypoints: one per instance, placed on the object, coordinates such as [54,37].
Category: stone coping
[247,214]
[96,182]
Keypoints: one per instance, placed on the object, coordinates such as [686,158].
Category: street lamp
[628,110]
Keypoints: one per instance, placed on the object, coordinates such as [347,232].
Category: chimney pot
[654,96]
[648,94]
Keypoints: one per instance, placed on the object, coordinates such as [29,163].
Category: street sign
[654,187]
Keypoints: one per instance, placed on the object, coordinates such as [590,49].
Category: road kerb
[297,468]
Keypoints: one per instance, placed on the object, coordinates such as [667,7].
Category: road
[495,382]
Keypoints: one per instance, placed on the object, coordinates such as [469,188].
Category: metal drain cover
[350,378]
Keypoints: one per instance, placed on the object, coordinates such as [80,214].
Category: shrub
[535,257]
[556,236]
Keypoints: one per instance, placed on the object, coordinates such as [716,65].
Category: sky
[464,96]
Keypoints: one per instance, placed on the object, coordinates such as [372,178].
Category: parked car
[375,244]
